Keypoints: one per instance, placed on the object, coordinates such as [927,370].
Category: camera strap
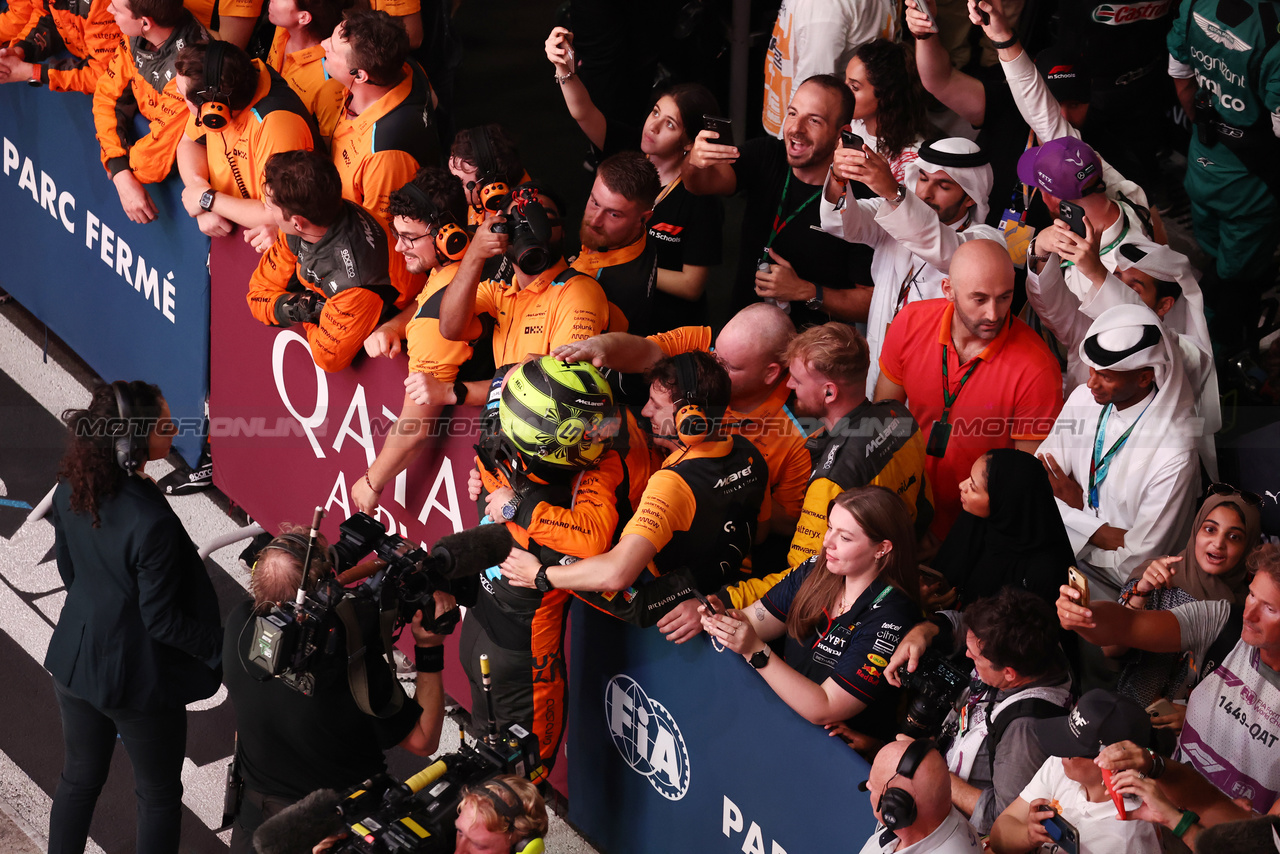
[357,658]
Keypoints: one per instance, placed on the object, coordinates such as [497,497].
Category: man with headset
[242,112]
[910,792]
[503,814]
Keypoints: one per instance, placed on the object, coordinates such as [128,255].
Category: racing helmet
[559,414]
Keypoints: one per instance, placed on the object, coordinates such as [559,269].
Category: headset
[693,425]
[897,807]
[450,240]
[215,105]
[131,449]
[525,845]
[493,192]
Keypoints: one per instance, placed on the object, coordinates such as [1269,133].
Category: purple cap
[1060,168]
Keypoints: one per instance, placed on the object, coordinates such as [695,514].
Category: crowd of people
[946,478]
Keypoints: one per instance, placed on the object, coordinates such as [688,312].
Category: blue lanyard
[1100,463]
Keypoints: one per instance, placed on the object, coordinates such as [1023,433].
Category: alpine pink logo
[1117,14]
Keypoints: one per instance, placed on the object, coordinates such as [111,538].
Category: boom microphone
[296,829]
[475,550]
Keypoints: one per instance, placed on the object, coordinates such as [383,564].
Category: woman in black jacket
[139,635]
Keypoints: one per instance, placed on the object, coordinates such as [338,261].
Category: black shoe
[184,481]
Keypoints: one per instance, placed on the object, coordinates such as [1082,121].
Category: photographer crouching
[1019,675]
[290,743]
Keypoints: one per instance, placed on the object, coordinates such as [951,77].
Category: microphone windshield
[296,829]
[475,550]
[863,787]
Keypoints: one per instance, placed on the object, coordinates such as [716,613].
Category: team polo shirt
[627,275]
[205,10]
[304,71]
[853,649]
[772,427]
[558,306]
[1014,394]
[275,120]
[429,351]
[396,8]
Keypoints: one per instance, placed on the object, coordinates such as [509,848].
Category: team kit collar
[590,260]
[388,102]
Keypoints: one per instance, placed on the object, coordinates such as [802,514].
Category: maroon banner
[288,437]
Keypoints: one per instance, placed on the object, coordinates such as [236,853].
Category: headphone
[131,449]
[897,807]
[525,845]
[693,426]
[493,192]
[450,240]
[215,105]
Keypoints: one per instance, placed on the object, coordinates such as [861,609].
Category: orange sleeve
[582,311]
[281,130]
[348,318]
[585,529]
[327,107]
[667,506]
[37,14]
[1038,401]
[384,173]
[487,298]
[790,467]
[101,36]
[397,8]
[684,339]
[239,8]
[112,95]
[270,280]
[14,19]
[151,157]
[429,351]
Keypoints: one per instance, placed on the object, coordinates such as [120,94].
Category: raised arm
[708,170]
[559,48]
[1105,623]
[952,87]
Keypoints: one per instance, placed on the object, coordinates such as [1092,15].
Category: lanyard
[1100,465]
[947,397]
[778,222]
[1113,244]
[666,191]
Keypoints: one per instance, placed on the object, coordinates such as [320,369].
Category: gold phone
[1076,579]
[1161,707]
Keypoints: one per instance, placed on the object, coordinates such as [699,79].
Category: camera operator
[289,743]
[1012,639]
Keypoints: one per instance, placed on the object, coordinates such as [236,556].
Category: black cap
[1063,67]
[1099,719]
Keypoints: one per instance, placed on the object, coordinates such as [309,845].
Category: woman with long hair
[889,111]
[686,228]
[842,614]
[138,636]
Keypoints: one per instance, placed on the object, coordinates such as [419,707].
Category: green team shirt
[1238,62]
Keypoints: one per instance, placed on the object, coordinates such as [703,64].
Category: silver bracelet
[564,78]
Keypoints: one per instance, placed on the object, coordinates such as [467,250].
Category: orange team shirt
[369,177]
[203,9]
[304,70]
[1014,394]
[396,8]
[249,142]
[669,505]
[13,20]
[429,351]
[771,426]
[553,309]
[92,38]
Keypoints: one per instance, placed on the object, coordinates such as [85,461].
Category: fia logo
[647,737]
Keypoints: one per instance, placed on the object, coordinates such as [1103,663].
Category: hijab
[1022,542]
[1192,578]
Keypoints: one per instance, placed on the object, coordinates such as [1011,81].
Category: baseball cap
[1100,718]
[1064,69]
[1061,168]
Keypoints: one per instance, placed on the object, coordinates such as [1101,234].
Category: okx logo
[647,737]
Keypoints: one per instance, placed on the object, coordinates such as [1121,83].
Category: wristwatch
[759,659]
[206,200]
[815,302]
[509,509]
[898,199]
[541,581]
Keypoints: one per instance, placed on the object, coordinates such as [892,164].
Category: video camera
[937,685]
[382,816]
[529,228]
[294,637]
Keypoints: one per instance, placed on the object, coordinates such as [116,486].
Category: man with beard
[974,377]
[614,234]
[913,233]
[784,257]
[545,303]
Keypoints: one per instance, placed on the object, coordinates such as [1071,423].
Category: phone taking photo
[1062,832]
[851,140]
[721,126]
[706,603]
[1073,215]
[1077,580]
[922,6]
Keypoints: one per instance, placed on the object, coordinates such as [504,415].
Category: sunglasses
[1252,498]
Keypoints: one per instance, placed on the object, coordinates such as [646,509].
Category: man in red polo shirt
[974,377]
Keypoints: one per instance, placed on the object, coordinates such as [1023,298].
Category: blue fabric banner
[131,300]
[689,750]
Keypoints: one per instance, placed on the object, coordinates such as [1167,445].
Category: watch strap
[1013,39]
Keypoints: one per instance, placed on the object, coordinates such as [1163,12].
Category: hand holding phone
[1077,580]
[721,126]
[706,603]
[851,141]
[922,6]
[1073,215]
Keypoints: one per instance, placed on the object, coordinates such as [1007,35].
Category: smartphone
[1161,707]
[1076,579]
[1063,833]
[1073,215]
[983,14]
[923,7]
[721,126]
[850,140]
[706,603]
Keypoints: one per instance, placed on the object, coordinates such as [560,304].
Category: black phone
[982,13]
[1063,833]
[706,603]
[851,140]
[721,126]
[1073,215]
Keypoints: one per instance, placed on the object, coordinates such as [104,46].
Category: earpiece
[131,449]
[692,424]
[897,807]
[215,105]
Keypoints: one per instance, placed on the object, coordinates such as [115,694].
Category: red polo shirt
[1014,394]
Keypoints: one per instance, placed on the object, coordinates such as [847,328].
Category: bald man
[916,769]
[974,377]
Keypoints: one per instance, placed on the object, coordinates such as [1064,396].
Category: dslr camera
[936,686]
[529,228]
